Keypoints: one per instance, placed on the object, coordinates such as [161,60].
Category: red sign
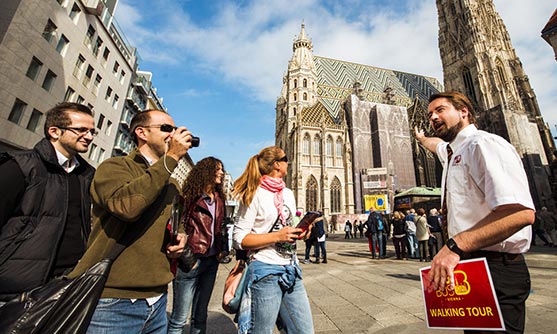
[472,305]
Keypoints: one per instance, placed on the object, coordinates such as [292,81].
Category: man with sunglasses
[136,191]
[44,203]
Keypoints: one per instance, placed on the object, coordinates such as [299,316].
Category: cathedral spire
[303,40]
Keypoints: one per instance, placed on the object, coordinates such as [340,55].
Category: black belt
[496,256]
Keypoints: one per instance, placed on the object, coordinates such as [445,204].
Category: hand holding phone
[308,219]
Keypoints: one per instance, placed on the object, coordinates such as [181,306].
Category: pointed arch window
[305,83]
[316,152]
[501,73]
[311,194]
[305,96]
[305,149]
[469,85]
[335,195]
[329,151]
[338,153]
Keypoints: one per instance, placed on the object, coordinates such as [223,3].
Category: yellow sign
[378,202]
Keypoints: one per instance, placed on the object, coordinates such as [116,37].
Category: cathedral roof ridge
[551,25]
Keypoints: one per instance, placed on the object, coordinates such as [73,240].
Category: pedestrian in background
[422,233]
[274,279]
[399,235]
[320,234]
[45,202]
[436,240]
[204,205]
[412,241]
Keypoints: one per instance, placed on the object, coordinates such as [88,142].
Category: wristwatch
[454,247]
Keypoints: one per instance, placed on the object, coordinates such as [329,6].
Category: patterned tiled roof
[335,79]
[318,115]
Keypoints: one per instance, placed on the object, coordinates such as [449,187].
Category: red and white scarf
[275,185]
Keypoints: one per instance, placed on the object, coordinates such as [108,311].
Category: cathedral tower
[479,60]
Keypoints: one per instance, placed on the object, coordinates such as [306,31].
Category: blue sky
[219,64]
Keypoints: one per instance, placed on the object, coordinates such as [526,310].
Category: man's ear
[140,133]
[54,132]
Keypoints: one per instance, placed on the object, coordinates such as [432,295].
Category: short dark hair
[459,101]
[141,118]
[58,115]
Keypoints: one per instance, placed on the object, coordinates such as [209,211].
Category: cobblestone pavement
[356,294]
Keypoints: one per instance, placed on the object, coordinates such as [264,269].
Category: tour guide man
[489,207]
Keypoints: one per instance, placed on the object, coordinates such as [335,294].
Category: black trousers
[511,280]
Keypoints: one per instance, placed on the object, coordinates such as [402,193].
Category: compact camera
[194,141]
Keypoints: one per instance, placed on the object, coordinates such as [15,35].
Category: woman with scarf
[274,292]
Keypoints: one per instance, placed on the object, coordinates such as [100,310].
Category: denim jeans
[193,288]
[377,240]
[320,246]
[412,245]
[266,298]
[121,316]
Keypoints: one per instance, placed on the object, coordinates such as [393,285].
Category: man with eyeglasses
[136,191]
[45,206]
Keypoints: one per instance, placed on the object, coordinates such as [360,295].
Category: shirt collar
[458,141]
[63,161]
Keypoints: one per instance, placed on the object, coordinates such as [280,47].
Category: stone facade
[479,60]
[338,120]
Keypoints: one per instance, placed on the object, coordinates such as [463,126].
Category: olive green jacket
[126,191]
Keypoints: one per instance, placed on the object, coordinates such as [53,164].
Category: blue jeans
[121,316]
[412,245]
[320,245]
[377,238]
[267,298]
[193,288]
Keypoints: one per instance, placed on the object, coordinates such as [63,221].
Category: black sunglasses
[80,131]
[162,127]
[284,159]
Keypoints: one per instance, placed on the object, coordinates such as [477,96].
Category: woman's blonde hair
[258,165]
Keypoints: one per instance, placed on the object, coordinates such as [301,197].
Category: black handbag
[63,305]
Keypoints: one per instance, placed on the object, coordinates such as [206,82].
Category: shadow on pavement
[405,276]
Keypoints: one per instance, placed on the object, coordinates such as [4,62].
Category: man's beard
[450,133]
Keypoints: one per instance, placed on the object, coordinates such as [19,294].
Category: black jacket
[32,229]
[372,223]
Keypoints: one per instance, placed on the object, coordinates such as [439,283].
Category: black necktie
[444,207]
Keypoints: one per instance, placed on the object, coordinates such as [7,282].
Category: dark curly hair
[201,177]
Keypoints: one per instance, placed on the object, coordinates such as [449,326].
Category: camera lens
[194,141]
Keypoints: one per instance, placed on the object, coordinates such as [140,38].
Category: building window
[79,64]
[122,76]
[316,152]
[49,80]
[115,68]
[34,68]
[88,76]
[295,83]
[305,96]
[101,155]
[68,97]
[34,120]
[108,128]
[305,149]
[74,12]
[335,196]
[17,111]
[329,151]
[311,194]
[97,47]
[100,122]
[106,54]
[49,30]
[62,45]
[97,84]
[469,85]
[80,99]
[92,151]
[305,83]
[62,2]
[108,94]
[115,102]
[89,36]
[338,153]
[295,97]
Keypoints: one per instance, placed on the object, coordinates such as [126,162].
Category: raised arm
[430,143]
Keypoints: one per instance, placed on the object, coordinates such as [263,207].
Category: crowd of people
[60,217]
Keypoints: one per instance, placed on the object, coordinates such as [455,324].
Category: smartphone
[308,218]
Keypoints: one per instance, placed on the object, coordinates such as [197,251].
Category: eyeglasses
[284,159]
[80,131]
[162,127]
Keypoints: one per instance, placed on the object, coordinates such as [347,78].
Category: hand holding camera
[180,141]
